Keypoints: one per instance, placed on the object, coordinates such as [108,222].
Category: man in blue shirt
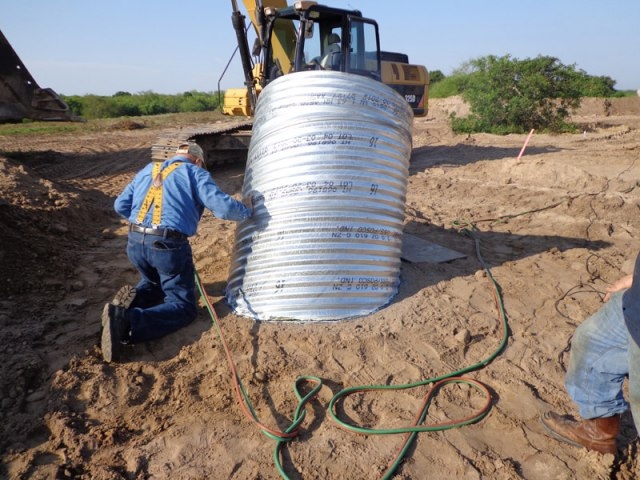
[604,350]
[163,204]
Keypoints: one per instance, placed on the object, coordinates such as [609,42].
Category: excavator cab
[308,36]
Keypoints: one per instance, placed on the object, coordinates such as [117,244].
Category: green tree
[125,104]
[151,103]
[449,86]
[514,96]
[75,104]
[598,87]
[435,76]
[197,102]
[94,106]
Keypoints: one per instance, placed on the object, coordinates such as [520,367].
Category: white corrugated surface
[327,170]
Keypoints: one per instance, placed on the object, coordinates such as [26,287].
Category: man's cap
[191,148]
[333,38]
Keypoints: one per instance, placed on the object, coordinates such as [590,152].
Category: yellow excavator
[296,38]
[309,36]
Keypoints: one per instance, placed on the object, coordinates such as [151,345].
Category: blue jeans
[603,353]
[165,296]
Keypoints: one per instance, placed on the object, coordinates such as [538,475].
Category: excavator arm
[242,101]
[21,96]
[283,38]
[237,19]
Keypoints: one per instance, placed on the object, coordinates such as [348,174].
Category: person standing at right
[605,349]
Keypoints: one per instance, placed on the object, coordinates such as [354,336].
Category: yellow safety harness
[154,194]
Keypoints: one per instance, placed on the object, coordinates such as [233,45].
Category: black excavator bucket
[20,95]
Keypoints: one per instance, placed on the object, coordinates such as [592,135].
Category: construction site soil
[555,228]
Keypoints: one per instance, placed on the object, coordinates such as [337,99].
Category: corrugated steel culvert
[327,170]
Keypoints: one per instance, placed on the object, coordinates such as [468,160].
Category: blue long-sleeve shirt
[185,194]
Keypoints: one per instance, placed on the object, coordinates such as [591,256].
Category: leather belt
[160,232]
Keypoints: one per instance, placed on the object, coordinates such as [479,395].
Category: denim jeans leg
[148,294]
[173,262]
[148,290]
[599,362]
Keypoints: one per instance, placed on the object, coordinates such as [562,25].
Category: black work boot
[597,434]
[115,329]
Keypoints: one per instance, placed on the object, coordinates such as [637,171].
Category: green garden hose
[437,383]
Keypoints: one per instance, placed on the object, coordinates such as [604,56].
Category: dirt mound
[610,106]
[588,107]
[36,228]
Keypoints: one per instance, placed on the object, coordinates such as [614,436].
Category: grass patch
[37,128]
[168,120]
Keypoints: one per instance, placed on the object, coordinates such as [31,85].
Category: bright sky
[78,47]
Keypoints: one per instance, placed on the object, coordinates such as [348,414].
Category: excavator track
[222,142]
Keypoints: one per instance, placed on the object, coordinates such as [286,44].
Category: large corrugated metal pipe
[327,171]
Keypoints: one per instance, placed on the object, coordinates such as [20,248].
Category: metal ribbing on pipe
[327,171]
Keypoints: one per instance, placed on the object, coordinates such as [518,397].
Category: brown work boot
[598,434]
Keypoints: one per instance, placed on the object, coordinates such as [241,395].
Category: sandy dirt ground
[554,227]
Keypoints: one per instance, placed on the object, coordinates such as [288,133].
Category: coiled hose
[437,383]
